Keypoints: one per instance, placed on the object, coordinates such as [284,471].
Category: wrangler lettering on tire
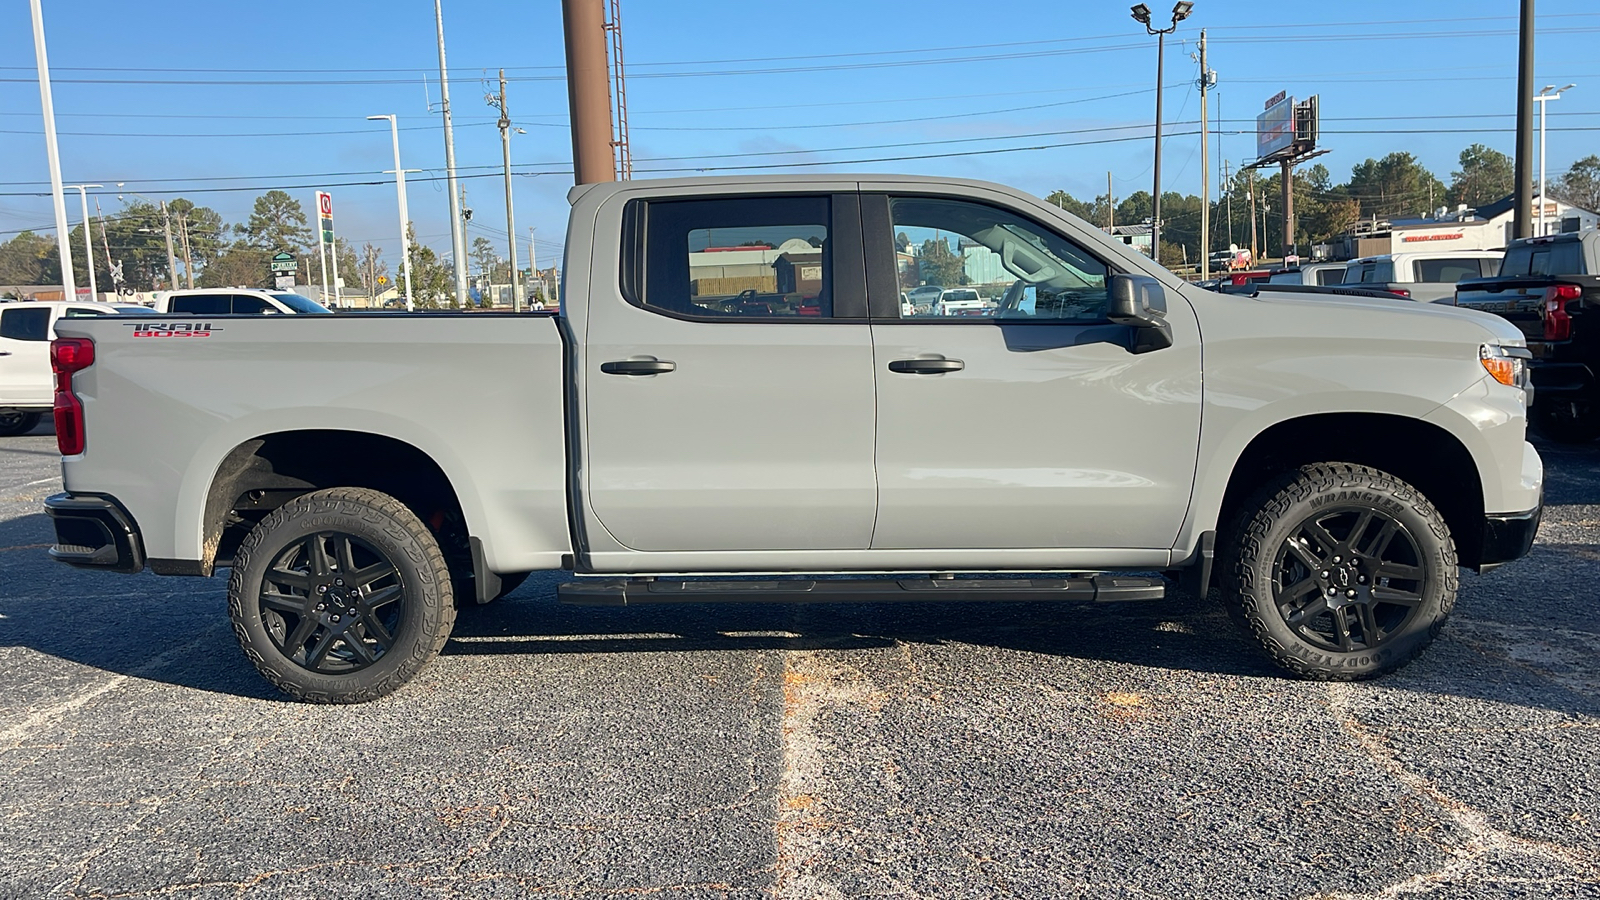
[1340,572]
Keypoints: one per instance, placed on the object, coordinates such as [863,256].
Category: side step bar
[635,592]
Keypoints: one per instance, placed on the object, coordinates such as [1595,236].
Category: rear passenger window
[1447,271]
[244,304]
[1330,276]
[25,324]
[737,258]
[202,304]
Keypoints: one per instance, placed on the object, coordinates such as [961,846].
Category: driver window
[966,261]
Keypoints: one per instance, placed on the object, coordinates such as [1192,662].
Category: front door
[1023,421]
[728,377]
[25,378]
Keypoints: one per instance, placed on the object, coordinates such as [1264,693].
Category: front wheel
[340,596]
[14,422]
[1341,572]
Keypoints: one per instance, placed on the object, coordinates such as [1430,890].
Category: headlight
[1509,366]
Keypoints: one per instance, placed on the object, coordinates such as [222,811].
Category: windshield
[302,304]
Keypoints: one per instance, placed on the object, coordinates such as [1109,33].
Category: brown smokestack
[588,90]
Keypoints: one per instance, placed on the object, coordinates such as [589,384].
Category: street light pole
[1141,14]
[53,154]
[88,234]
[1544,97]
[405,219]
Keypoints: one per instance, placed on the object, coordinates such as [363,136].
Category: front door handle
[638,367]
[5,352]
[926,366]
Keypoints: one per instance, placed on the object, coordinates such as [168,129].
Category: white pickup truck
[732,404]
[25,333]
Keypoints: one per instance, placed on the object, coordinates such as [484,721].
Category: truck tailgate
[169,397]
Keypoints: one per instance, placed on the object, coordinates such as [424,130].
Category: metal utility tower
[588,91]
[620,88]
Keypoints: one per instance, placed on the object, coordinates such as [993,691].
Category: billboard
[1275,126]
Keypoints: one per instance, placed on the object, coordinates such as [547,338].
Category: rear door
[728,377]
[1034,427]
[25,378]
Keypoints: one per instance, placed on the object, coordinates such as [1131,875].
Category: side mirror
[1140,301]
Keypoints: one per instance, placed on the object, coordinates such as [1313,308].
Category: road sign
[284,262]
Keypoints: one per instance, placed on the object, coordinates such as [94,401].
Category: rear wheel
[15,421]
[340,596]
[1341,572]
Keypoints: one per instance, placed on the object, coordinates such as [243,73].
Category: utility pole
[88,234]
[588,90]
[1111,205]
[1250,189]
[511,223]
[172,258]
[1523,218]
[1205,166]
[105,239]
[458,235]
[188,255]
[333,252]
[533,270]
[1227,190]
[69,286]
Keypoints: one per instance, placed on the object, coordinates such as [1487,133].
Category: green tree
[240,265]
[277,223]
[483,254]
[431,277]
[29,258]
[1394,186]
[1136,208]
[1579,186]
[138,245]
[1486,175]
[940,265]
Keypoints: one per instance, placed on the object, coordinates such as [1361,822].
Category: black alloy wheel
[1349,579]
[340,596]
[1339,571]
[332,603]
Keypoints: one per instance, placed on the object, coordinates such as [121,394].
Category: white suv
[960,302]
[237,301]
[26,330]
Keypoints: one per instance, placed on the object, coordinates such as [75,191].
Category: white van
[237,301]
[1424,277]
[26,329]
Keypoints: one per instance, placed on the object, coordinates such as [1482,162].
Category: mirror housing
[1140,302]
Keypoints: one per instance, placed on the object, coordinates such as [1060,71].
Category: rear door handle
[5,352]
[638,367]
[926,366]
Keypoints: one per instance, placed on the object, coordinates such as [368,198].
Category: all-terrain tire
[17,422]
[1283,528]
[416,588]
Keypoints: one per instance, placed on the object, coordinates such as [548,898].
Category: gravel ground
[799,752]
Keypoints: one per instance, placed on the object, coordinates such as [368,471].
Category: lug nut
[1336,559]
[1361,579]
[339,582]
[1331,592]
[322,589]
[1324,573]
[336,618]
[1350,594]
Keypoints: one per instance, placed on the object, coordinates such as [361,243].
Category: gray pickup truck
[733,404]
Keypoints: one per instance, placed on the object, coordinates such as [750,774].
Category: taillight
[1557,321]
[69,355]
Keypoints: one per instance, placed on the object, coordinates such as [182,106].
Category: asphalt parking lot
[798,752]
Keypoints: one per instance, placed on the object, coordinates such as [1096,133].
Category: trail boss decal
[172,329]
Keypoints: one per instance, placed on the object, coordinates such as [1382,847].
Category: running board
[635,592]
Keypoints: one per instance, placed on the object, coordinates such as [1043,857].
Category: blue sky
[174,97]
